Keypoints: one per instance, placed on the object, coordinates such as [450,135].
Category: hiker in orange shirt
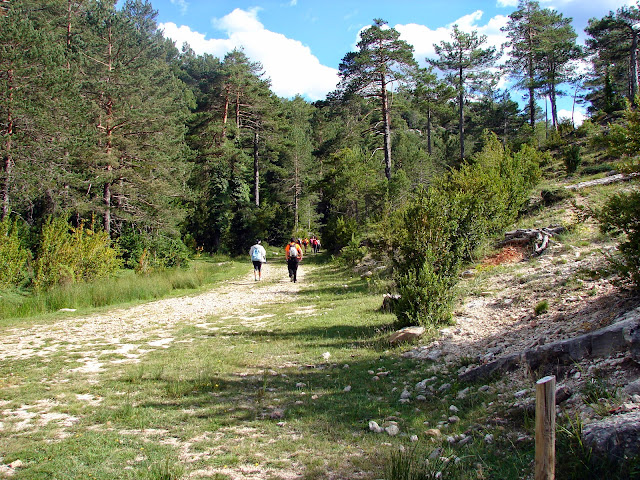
[293,254]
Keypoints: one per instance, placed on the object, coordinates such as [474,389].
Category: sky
[300,43]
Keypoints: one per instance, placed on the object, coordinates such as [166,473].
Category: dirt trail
[135,331]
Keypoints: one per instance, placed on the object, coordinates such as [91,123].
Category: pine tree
[613,44]
[32,91]
[140,109]
[466,66]
[381,60]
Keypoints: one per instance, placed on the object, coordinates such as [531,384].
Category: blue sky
[300,43]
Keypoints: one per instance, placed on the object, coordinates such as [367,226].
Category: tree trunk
[461,114]
[634,66]
[7,161]
[225,117]
[256,169]
[387,130]
[429,145]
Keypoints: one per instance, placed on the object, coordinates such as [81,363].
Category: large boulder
[616,437]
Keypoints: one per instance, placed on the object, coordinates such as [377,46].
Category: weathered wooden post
[546,428]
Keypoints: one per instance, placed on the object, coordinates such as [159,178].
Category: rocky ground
[575,293]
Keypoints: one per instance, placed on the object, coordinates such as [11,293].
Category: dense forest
[118,145]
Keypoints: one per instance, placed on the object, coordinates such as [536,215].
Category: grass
[264,398]
[123,289]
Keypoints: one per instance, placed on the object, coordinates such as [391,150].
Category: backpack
[293,251]
[256,256]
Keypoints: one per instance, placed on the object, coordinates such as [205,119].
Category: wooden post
[546,428]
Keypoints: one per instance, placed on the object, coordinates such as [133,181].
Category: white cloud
[290,65]
[579,116]
[423,38]
[507,3]
[183,4]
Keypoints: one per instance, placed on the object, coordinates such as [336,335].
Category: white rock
[413,438]
[488,438]
[405,394]
[374,427]
[326,355]
[300,385]
[453,409]
[392,430]
[347,388]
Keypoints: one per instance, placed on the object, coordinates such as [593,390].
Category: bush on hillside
[446,224]
[621,215]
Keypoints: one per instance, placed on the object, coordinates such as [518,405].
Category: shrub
[13,255]
[446,224]
[353,252]
[572,159]
[68,254]
[621,214]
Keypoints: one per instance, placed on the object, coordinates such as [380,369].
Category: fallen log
[537,237]
[622,335]
[620,177]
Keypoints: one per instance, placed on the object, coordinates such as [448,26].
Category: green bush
[445,225]
[572,159]
[69,254]
[353,253]
[13,255]
[145,252]
[621,215]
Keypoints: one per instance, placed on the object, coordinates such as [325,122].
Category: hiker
[305,244]
[258,257]
[293,254]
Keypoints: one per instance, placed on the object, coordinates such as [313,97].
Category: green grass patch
[125,288]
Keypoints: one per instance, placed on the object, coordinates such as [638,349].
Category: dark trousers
[292,265]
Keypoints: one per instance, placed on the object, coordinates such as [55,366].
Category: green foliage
[13,255]
[445,225]
[338,233]
[352,253]
[144,251]
[72,254]
[623,138]
[621,215]
[572,158]
[541,307]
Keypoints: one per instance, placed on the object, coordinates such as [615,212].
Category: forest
[120,150]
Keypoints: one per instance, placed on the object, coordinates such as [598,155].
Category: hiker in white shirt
[258,257]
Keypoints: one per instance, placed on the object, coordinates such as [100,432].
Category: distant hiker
[305,243]
[258,257]
[315,244]
[293,254]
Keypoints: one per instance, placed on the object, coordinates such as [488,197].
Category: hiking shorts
[257,265]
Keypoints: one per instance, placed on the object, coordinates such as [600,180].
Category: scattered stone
[413,438]
[16,464]
[488,438]
[277,414]
[375,378]
[462,394]
[375,428]
[405,395]
[444,387]
[435,454]
[454,419]
[407,334]
[453,409]
[301,385]
[392,430]
[421,398]
[347,388]
[484,388]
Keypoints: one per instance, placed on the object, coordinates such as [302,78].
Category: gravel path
[136,330]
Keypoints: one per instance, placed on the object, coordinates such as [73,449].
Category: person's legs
[256,270]
[295,270]
[290,268]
